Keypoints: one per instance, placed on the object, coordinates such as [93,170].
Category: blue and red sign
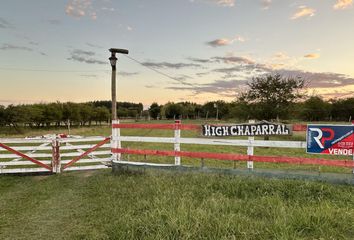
[330,139]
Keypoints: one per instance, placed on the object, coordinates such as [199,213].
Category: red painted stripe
[239,157]
[144,126]
[299,127]
[296,127]
[25,156]
[158,126]
[87,152]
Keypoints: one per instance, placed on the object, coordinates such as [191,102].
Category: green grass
[160,205]
[155,205]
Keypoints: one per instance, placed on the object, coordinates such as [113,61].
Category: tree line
[69,113]
[312,108]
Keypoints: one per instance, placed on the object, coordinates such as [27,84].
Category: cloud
[232,59]
[266,4]
[227,88]
[5,24]
[129,28]
[8,46]
[342,4]
[281,56]
[85,56]
[320,80]
[234,79]
[169,65]
[224,41]
[312,56]
[127,74]
[243,70]
[338,94]
[80,8]
[199,60]
[303,11]
[223,3]
[219,42]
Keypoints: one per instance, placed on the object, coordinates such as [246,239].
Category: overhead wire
[158,71]
[49,70]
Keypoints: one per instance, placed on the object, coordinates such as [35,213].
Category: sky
[179,50]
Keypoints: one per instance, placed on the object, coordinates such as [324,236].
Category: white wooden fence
[177,153]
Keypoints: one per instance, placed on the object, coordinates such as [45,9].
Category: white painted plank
[32,155]
[75,154]
[145,164]
[29,148]
[224,142]
[86,139]
[82,168]
[76,147]
[24,140]
[23,170]
[24,163]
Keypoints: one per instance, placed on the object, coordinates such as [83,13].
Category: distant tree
[36,114]
[16,116]
[71,112]
[239,110]
[343,110]
[271,96]
[315,109]
[155,110]
[2,116]
[86,113]
[53,113]
[173,110]
[214,108]
[101,114]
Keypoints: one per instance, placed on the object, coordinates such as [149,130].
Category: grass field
[161,205]
[155,205]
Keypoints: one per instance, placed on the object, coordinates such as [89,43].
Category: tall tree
[315,109]
[271,96]
[154,110]
[2,116]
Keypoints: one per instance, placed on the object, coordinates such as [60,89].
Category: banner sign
[330,139]
[263,128]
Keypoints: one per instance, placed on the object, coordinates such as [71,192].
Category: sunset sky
[180,50]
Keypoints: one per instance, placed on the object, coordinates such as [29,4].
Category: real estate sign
[330,139]
[263,128]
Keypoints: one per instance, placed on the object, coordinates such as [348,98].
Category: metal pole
[114,94]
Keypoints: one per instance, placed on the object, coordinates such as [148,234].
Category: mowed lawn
[162,205]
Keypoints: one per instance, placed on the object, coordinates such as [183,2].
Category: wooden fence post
[177,145]
[250,149]
[115,141]
[56,163]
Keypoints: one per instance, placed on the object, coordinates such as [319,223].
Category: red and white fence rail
[54,155]
[177,140]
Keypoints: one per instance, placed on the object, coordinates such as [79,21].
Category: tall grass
[155,205]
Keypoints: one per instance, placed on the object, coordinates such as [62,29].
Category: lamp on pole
[113,60]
